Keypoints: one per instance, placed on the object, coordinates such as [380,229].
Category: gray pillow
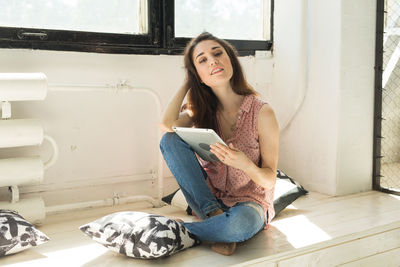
[287,190]
[17,234]
[140,235]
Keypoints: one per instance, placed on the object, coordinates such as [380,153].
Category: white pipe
[109,202]
[32,209]
[131,199]
[23,86]
[81,183]
[14,193]
[122,86]
[80,205]
[21,171]
[21,132]
[5,110]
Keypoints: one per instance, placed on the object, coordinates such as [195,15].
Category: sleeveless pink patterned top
[232,185]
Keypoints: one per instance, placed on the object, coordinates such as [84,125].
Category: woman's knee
[244,223]
[169,139]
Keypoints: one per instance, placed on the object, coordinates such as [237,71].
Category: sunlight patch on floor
[300,231]
[76,256]
[395,196]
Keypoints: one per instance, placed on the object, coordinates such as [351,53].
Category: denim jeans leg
[239,223]
[190,176]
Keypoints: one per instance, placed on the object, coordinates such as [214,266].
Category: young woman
[234,197]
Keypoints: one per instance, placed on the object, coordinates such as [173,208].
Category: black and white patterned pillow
[17,234]
[140,235]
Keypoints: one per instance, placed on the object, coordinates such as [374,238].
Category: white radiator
[22,132]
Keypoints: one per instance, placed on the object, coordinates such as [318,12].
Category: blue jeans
[236,224]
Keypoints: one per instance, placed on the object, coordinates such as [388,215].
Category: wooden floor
[317,230]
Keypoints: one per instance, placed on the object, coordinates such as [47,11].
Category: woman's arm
[172,115]
[268,132]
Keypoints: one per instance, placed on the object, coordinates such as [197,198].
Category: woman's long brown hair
[201,99]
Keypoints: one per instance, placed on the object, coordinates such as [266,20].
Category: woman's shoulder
[262,110]
[258,104]
[266,110]
[255,99]
[267,118]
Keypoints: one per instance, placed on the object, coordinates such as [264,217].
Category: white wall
[328,145]
[354,162]
[309,145]
[322,47]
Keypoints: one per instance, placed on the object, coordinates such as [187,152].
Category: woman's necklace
[231,125]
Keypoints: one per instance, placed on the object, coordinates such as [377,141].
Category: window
[241,20]
[124,16]
[133,26]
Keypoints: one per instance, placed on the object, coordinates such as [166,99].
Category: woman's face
[212,63]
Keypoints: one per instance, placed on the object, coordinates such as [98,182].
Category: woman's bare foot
[226,249]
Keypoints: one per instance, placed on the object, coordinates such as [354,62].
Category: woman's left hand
[231,156]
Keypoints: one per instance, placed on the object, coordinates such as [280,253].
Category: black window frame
[378,115]
[159,40]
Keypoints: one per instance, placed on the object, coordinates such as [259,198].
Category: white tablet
[200,139]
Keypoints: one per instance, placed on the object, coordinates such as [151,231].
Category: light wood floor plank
[390,258]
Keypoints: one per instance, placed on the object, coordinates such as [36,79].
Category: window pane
[228,19]
[117,16]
